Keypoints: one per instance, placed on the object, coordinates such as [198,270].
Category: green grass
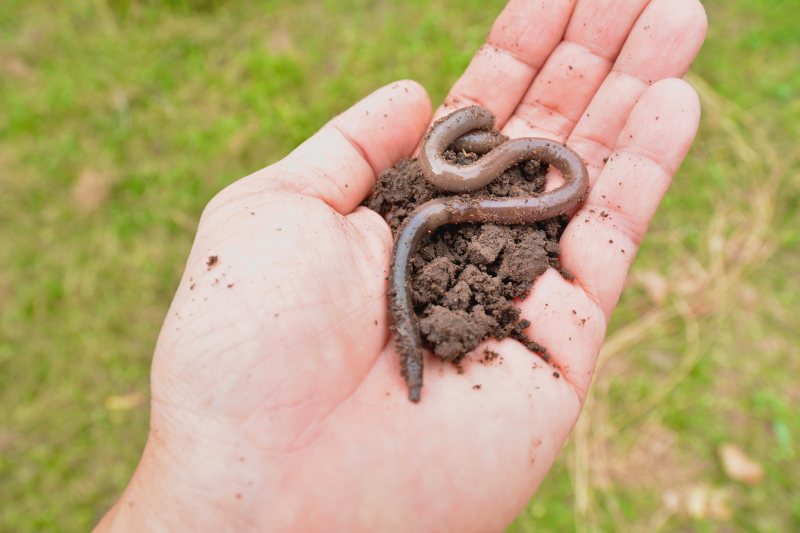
[119,120]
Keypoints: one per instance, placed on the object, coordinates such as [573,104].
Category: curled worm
[478,142]
[500,154]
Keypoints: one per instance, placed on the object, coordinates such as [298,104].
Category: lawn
[120,119]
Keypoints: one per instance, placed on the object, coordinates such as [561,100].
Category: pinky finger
[601,242]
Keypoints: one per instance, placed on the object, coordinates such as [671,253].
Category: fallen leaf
[18,68]
[697,501]
[91,190]
[739,466]
[702,501]
[719,505]
[125,402]
[671,500]
[281,39]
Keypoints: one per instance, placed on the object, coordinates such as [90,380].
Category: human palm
[277,400]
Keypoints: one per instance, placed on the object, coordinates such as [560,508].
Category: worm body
[500,154]
[478,142]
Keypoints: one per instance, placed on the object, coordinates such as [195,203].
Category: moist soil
[466,277]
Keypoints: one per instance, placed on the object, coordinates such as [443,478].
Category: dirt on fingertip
[465,278]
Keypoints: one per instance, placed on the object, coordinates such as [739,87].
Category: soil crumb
[489,356]
[465,277]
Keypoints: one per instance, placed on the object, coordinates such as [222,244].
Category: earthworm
[460,209]
[478,142]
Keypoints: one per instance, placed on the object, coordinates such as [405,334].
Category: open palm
[277,397]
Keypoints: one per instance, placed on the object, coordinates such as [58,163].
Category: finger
[575,69]
[600,243]
[598,246]
[662,45]
[340,162]
[517,46]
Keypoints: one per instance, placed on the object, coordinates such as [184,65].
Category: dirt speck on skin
[489,356]
[466,277]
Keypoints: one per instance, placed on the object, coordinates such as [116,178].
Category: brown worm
[426,218]
[478,142]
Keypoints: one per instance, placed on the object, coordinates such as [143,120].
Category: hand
[277,401]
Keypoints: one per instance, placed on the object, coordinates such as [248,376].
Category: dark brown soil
[465,277]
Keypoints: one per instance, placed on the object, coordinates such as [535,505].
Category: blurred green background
[120,119]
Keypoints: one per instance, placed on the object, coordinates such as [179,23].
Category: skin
[456,210]
[277,404]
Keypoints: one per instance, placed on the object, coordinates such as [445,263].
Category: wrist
[176,488]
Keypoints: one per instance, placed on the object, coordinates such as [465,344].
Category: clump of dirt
[465,277]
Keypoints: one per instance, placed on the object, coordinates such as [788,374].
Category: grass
[119,119]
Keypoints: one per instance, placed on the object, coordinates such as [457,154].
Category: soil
[466,277]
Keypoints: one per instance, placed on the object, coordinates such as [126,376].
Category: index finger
[521,39]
